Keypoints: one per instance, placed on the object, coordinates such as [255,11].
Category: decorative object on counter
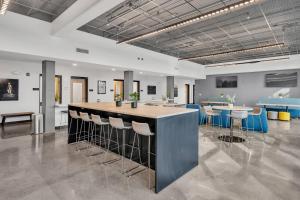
[222,95]
[101,87]
[9,89]
[134,98]
[231,100]
[118,100]
[226,82]
[151,90]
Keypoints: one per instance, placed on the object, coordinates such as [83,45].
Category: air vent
[85,51]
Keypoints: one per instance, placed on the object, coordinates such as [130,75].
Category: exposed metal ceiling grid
[46,10]
[267,22]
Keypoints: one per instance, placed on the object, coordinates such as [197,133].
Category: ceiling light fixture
[74,64]
[193,20]
[3,6]
[234,52]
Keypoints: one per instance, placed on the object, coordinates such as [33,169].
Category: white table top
[234,108]
[278,104]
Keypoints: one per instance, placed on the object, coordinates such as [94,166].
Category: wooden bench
[10,115]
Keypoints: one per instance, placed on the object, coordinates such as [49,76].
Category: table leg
[3,121]
[231,129]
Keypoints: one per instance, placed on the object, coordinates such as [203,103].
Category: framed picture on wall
[176,92]
[284,80]
[227,82]
[151,90]
[101,87]
[9,89]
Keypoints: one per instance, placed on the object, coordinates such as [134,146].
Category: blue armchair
[224,119]
[257,124]
[202,118]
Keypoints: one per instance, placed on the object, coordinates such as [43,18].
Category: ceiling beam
[80,13]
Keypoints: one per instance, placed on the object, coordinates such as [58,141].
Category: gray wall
[251,86]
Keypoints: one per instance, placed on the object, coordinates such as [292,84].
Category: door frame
[139,87]
[87,86]
[188,93]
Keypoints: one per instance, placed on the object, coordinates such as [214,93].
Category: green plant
[118,97]
[134,96]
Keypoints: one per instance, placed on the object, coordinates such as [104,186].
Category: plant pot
[118,103]
[134,104]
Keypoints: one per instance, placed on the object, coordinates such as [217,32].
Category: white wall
[29,99]
[275,65]
[180,83]
[29,36]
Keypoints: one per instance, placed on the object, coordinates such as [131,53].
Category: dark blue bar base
[174,146]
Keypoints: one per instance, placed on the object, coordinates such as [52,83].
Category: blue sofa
[295,112]
[201,114]
[253,122]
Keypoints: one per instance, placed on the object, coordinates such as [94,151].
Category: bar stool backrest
[257,111]
[74,114]
[239,114]
[116,122]
[85,116]
[141,128]
[207,109]
[96,119]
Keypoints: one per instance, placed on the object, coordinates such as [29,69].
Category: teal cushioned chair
[260,124]
[224,119]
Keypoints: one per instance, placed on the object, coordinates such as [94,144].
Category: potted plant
[231,100]
[118,100]
[134,98]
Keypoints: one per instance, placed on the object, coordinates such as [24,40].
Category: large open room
[149,99]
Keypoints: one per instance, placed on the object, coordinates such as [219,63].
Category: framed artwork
[227,82]
[284,80]
[101,87]
[176,92]
[151,90]
[9,89]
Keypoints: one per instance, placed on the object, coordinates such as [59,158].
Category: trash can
[37,124]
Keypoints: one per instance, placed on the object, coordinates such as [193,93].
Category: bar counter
[175,144]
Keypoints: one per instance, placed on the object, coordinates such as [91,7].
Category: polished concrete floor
[45,167]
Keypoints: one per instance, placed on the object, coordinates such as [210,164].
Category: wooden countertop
[141,110]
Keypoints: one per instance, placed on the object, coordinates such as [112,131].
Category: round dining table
[231,138]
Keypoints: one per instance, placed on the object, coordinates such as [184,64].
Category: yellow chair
[284,116]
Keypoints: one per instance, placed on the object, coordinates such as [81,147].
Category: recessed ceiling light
[113,69]
[141,72]
[74,64]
